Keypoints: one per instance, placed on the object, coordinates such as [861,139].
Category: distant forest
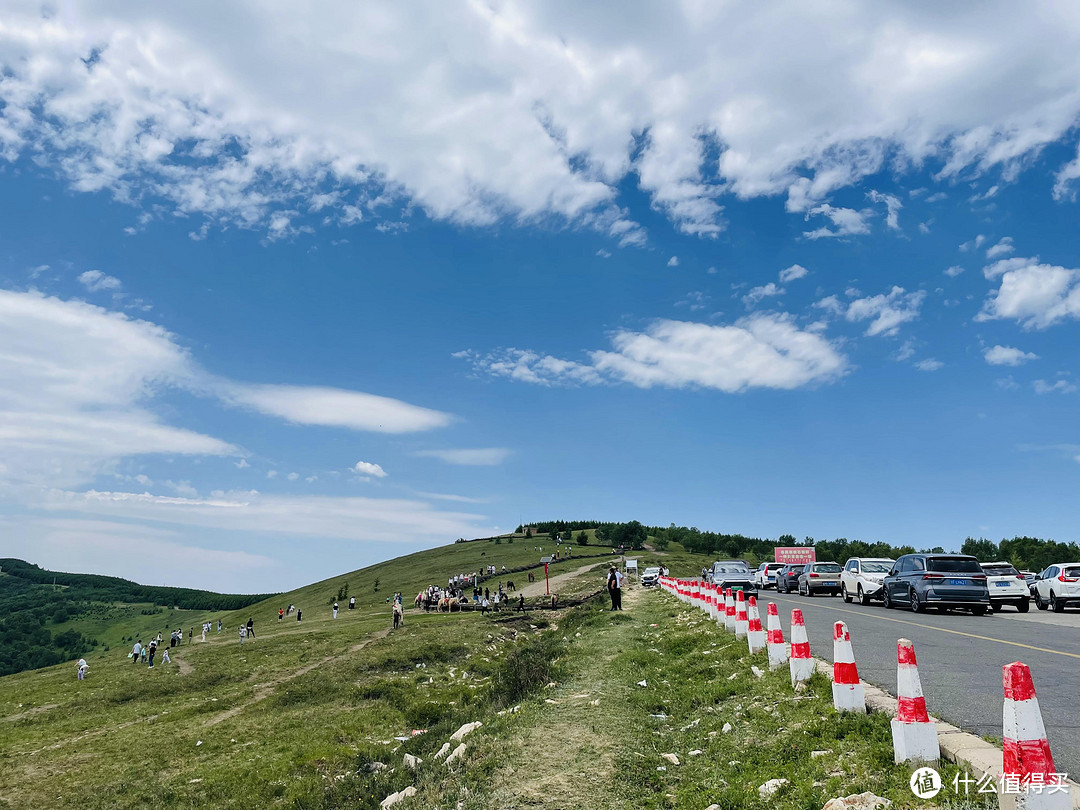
[32,599]
[1026,553]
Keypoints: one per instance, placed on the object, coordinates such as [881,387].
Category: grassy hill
[320,715]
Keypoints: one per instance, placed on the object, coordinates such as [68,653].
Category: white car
[1057,585]
[650,577]
[1007,586]
[862,577]
[765,576]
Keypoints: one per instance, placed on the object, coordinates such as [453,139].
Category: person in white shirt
[136,651]
[81,668]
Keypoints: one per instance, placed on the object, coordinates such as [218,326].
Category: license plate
[1002,584]
[958,582]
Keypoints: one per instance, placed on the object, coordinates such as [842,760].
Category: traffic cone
[729,611]
[847,690]
[913,732]
[1027,764]
[716,598]
[741,623]
[774,639]
[755,636]
[802,665]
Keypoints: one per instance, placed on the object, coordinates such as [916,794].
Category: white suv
[765,576]
[1007,586]
[1057,585]
[862,578]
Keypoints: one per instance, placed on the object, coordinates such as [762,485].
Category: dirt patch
[48,707]
[538,588]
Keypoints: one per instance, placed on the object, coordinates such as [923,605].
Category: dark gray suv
[939,580]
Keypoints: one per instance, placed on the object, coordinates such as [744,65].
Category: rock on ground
[442,751]
[859,801]
[465,731]
[456,754]
[394,798]
[770,787]
[674,760]
[412,762]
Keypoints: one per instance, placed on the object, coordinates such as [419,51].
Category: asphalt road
[960,659]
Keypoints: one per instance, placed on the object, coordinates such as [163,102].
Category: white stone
[726,728]
[816,754]
[757,672]
[733,676]
[770,787]
[455,755]
[674,760]
[442,752]
[394,798]
[465,731]
[697,752]
[642,683]
[412,762]
[858,801]
[594,702]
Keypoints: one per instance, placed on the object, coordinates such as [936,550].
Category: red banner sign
[794,555]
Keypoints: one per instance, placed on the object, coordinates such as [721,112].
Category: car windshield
[1073,572]
[954,565]
[827,568]
[1000,571]
[731,569]
[873,567]
[651,572]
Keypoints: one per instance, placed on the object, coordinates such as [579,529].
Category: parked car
[651,576]
[787,578]
[765,576]
[1007,586]
[1057,586]
[1029,578]
[862,578]
[820,577]
[942,580]
[734,574]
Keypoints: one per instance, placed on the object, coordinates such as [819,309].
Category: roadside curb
[977,755]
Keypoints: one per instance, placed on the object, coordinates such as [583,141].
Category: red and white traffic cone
[717,603]
[729,611]
[774,639]
[741,622]
[914,734]
[1027,764]
[755,636]
[802,665]
[847,690]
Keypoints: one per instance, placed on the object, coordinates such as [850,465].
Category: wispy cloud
[471,457]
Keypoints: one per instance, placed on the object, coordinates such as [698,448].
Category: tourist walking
[81,668]
[251,627]
[153,650]
[243,634]
[136,651]
[335,610]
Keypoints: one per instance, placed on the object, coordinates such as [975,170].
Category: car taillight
[814,575]
[1021,576]
[1064,578]
[979,577]
[933,576]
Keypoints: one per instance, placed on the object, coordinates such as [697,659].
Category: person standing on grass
[81,668]
[153,650]
[613,588]
[484,606]
[352,603]
[243,634]
[280,614]
[165,656]
[399,615]
[204,632]
[145,650]
[251,627]
[136,651]
[219,626]
[299,615]
[335,610]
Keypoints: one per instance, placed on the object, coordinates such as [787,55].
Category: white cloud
[906,351]
[1056,387]
[974,244]
[183,488]
[603,254]
[95,281]
[846,222]
[789,274]
[79,386]
[892,205]
[241,464]
[764,350]
[271,474]
[293,476]
[764,291]
[473,457]
[1035,295]
[1003,248]
[1007,356]
[528,366]
[332,407]
[673,261]
[478,112]
[830,304]
[366,468]
[886,312]
[929,364]
[954,271]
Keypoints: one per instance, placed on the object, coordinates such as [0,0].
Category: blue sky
[540,265]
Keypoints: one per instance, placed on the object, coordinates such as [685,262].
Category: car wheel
[979,611]
[916,605]
[1056,604]
[995,606]
[886,599]
[1023,606]
[1039,603]
[863,598]
[845,594]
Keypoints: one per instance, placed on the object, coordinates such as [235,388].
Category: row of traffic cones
[1028,767]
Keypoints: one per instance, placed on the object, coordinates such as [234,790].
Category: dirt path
[265,690]
[537,588]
